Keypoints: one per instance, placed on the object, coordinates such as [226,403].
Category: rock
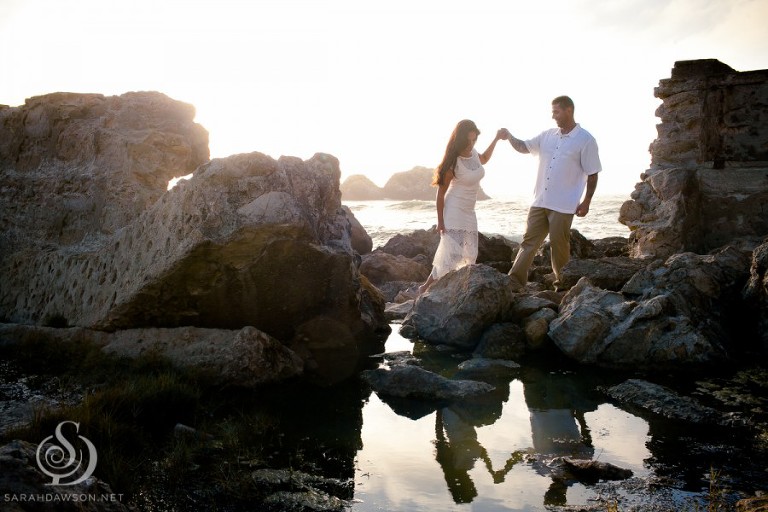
[22,479]
[611,246]
[753,504]
[668,315]
[524,306]
[381,267]
[75,166]
[207,254]
[359,188]
[361,241]
[610,273]
[460,306]
[416,243]
[301,492]
[244,358]
[328,347]
[536,328]
[501,341]
[580,248]
[663,401]
[398,311]
[756,290]
[707,183]
[412,381]
[491,249]
[593,471]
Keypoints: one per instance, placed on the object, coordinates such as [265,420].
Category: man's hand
[583,209]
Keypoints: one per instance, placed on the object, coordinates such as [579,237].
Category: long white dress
[458,244]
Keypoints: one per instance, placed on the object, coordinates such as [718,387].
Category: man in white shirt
[568,164]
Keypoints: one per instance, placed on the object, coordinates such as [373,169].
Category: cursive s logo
[62,461]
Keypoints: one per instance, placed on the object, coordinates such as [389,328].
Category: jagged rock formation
[247,241]
[402,186]
[708,181]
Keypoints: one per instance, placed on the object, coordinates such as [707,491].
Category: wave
[503,217]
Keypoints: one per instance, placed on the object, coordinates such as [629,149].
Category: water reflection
[493,452]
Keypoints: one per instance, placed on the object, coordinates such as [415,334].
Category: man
[568,163]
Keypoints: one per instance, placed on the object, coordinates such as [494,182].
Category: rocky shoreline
[252,273]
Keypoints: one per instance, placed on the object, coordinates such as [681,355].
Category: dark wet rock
[610,273]
[401,358]
[296,491]
[483,364]
[664,402]
[20,477]
[416,382]
[592,471]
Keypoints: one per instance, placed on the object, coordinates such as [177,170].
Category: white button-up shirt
[565,161]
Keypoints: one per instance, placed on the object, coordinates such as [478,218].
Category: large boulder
[668,315]
[92,237]
[77,166]
[707,180]
[460,306]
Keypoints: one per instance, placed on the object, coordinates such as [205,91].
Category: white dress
[458,244]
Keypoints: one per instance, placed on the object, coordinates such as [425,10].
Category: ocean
[506,217]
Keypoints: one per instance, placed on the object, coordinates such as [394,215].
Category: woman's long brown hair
[456,144]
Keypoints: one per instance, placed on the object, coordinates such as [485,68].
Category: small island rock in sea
[413,185]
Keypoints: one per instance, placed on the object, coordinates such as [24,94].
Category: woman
[458,179]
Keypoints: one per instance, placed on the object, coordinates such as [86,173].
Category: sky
[381,85]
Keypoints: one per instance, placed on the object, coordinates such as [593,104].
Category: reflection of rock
[410,381]
[415,184]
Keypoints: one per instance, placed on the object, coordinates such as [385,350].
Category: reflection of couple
[557,404]
[568,163]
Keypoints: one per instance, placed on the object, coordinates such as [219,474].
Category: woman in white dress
[458,180]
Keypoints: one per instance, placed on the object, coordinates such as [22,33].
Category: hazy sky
[381,85]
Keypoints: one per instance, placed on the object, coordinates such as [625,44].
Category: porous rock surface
[93,238]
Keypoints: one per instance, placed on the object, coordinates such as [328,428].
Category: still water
[495,453]
[488,455]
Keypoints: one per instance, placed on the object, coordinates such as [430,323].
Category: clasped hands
[503,134]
